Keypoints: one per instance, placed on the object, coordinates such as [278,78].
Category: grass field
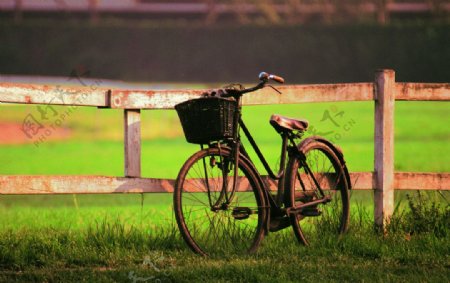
[95,147]
[129,237]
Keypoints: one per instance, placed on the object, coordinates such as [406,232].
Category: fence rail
[32,184]
[383,91]
[166,99]
[211,10]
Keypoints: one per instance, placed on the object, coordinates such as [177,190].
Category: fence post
[93,6]
[18,6]
[382,11]
[384,146]
[132,140]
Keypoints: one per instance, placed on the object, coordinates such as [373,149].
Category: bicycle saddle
[281,123]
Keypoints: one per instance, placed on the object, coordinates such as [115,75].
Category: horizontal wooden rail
[290,94]
[166,99]
[21,184]
[54,95]
[26,184]
[404,181]
[422,91]
[211,11]
[199,7]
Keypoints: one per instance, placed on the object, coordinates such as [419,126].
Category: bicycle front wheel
[317,175]
[214,215]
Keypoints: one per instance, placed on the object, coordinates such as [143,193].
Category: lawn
[96,147]
[133,236]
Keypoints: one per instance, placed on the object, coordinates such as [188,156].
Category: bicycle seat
[281,123]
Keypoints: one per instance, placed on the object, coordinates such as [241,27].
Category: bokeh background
[150,44]
[225,41]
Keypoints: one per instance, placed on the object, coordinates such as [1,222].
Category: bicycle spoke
[206,214]
[321,171]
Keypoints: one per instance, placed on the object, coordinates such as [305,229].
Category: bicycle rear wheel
[212,218]
[320,167]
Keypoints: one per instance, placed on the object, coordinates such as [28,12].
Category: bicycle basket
[207,119]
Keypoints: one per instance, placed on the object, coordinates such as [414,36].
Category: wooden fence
[384,91]
[272,11]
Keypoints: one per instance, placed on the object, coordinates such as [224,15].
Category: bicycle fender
[337,150]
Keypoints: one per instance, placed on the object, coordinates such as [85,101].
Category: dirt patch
[12,133]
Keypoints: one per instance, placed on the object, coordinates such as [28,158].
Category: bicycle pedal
[241,213]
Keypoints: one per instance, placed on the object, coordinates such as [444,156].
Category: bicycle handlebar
[263,76]
[232,92]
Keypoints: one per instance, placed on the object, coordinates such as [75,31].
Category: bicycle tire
[207,223]
[311,223]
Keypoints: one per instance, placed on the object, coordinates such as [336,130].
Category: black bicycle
[223,204]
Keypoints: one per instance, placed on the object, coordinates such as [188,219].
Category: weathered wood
[161,99]
[382,14]
[403,181]
[18,10]
[132,141]
[20,184]
[384,146]
[23,184]
[422,181]
[54,95]
[198,7]
[166,99]
[422,91]
[362,180]
[290,94]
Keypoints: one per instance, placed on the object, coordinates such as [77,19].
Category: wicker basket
[207,119]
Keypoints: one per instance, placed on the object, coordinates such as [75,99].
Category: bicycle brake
[275,89]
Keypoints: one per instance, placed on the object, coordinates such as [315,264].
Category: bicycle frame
[279,176]
[238,148]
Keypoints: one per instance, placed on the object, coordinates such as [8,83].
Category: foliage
[424,216]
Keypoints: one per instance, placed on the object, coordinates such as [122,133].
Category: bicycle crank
[309,208]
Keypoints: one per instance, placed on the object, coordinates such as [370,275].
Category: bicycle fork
[225,166]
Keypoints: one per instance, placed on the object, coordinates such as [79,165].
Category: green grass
[105,237]
[117,236]
[96,147]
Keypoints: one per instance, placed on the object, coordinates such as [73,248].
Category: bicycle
[221,201]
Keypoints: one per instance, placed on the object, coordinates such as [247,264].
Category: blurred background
[157,44]
[308,41]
